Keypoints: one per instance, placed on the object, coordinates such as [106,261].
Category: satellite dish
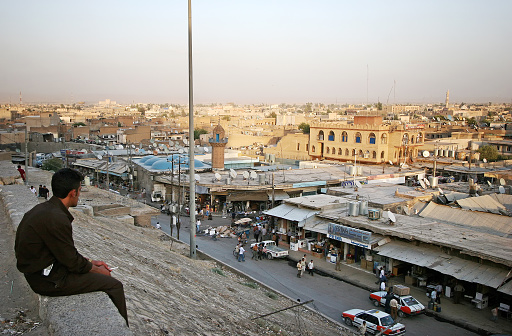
[161,145]
[185,141]
[358,184]
[206,150]
[171,143]
[502,181]
[133,146]
[197,177]
[489,183]
[484,160]
[425,154]
[150,146]
[254,176]
[99,157]
[427,182]
[218,177]
[246,175]
[423,184]
[391,216]
[390,162]
[501,189]
[180,150]
[232,173]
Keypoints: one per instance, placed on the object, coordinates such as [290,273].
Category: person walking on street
[393,304]
[299,269]
[382,286]
[158,226]
[260,251]
[198,225]
[439,290]
[388,297]
[241,255]
[304,265]
[362,329]
[310,267]
[22,173]
[338,260]
[34,191]
[254,249]
[256,234]
[458,291]
[433,296]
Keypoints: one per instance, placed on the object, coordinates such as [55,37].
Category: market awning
[460,269]
[279,195]
[247,196]
[291,213]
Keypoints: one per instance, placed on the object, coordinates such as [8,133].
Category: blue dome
[145,158]
[162,165]
[149,162]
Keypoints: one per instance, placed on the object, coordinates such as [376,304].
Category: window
[321,135]
[347,152]
[358,137]
[353,152]
[331,136]
[333,151]
[384,139]
[382,155]
[307,147]
[420,137]
[374,155]
[313,149]
[344,137]
[327,150]
[371,138]
[298,147]
[340,151]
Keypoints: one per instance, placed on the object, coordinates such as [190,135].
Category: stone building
[218,143]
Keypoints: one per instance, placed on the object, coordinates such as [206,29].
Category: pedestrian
[304,265]
[382,286]
[310,267]
[260,251]
[40,191]
[198,225]
[439,290]
[201,213]
[158,225]
[362,329]
[299,269]
[276,239]
[338,260]
[45,192]
[241,254]
[244,238]
[256,233]
[22,173]
[388,297]
[263,233]
[494,314]
[433,296]
[46,253]
[393,304]
[33,190]
[458,291]
[254,249]
[237,249]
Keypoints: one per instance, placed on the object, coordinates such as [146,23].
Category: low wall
[84,314]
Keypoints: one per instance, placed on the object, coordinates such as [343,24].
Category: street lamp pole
[191,144]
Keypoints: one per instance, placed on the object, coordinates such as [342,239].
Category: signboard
[308,184]
[342,231]
[350,241]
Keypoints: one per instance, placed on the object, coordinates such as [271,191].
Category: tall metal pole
[26,154]
[171,205]
[191,142]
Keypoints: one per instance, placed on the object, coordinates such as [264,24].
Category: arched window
[327,150]
[344,137]
[358,137]
[333,151]
[353,152]
[307,147]
[384,139]
[412,139]
[313,149]
[347,152]
[371,139]
[331,136]
[321,135]
[298,147]
[361,153]
[340,151]
[382,155]
[420,137]
[374,155]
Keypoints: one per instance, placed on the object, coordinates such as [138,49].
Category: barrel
[363,207]
[353,209]
[433,181]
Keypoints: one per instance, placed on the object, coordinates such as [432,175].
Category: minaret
[218,143]
[447,101]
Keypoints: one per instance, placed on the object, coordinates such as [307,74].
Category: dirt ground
[18,306]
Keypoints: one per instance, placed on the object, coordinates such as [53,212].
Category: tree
[273,115]
[490,153]
[78,124]
[304,128]
[198,132]
[226,117]
[52,164]
[379,106]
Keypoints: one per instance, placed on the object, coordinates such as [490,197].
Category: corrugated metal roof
[460,269]
[504,199]
[484,222]
[506,288]
[482,203]
[290,212]
[279,195]
[455,196]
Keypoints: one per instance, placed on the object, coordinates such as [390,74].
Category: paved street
[331,296]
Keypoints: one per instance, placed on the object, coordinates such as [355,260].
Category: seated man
[46,253]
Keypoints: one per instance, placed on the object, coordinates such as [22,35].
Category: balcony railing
[223,140]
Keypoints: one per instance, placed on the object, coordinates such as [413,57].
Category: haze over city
[256,52]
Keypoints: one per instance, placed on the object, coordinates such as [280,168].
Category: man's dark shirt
[45,237]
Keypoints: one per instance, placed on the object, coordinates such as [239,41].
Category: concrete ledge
[84,314]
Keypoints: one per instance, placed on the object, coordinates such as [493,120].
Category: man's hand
[100,267]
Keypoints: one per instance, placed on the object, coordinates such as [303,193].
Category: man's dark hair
[64,181]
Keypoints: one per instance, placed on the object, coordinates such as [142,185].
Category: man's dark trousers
[75,283]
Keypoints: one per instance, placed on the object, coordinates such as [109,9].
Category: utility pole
[171,206]
[178,223]
[26,153]
[108,181]
[273,191]
[191,144]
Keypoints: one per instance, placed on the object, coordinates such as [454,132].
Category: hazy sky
[265,51]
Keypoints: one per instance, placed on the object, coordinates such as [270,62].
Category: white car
[376,321]
[271,250]
[407,305]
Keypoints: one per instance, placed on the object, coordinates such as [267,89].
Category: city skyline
[251,53]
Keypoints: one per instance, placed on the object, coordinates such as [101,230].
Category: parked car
[272,251]
[407,305]
[376,321]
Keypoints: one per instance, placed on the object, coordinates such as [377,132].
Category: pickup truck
[272,251]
